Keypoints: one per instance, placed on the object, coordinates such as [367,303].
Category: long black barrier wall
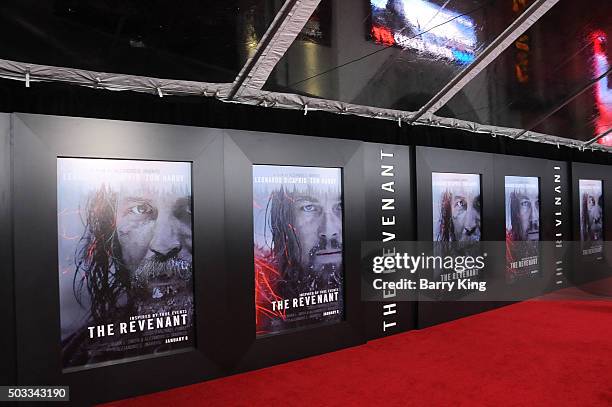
[221,245]
[7,316]
[554,222]
[223,263]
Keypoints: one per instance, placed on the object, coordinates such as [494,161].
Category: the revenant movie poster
[456,220]
[522,227]
[297,213]
[591,216]
[125,259]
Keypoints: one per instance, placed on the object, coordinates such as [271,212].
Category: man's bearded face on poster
[525,214]
[307,237]
[318,226]
[465,212]
[154,232]
[592,203]
[136,252]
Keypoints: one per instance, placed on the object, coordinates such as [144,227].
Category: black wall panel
[242,150]
[430,160]
[555,227]
[7,316]
[592,267]
[555,220]
[39,141]
[386,163]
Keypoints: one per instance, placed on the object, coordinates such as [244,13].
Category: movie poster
[297,213]
[591,216]
[125,259]
[456,220]
[522,227]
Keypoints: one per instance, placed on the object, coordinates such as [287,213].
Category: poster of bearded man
[125,259]
[298,235]
[456,220]
[591,216]
[522,202]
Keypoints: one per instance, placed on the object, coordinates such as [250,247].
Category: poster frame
[38,142]
[243,150]
[589,268]
[441,160]
[555,219]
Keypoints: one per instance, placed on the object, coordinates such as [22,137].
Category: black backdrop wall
[554,222]
[595,266]
[222,249]
[555,216]
[73,101]
[429,160]
[388,163]
[7,315]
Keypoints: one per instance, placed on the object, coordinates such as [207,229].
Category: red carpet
[536,353]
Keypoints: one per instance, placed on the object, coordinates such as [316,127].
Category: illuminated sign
[424,27]
[603,94]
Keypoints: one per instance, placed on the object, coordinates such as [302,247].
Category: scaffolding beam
[284,29]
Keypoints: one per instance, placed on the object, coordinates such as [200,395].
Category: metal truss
[287,24]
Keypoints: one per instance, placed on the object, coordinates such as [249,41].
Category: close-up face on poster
[456,207]
[298,247]
[125,259]
[522,202]
[591,215]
